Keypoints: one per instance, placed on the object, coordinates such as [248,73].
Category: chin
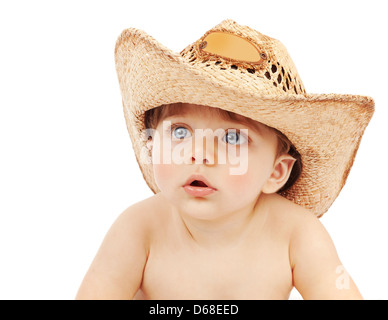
[199,208]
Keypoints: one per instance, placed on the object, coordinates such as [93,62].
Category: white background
[67,168]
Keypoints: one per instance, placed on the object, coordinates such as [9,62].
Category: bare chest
[173,272]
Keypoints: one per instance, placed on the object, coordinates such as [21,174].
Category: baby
[236,238]
[242,162]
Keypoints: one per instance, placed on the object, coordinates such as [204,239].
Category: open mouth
[198,183]
[198,189]
[198,186]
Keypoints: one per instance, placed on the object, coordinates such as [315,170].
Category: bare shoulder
[303,226]
[307,230]
[290,217]
[117,269]
[140,221]
[135,220]
[148,213]
[313,257]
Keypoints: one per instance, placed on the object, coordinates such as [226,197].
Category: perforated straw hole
[207,64]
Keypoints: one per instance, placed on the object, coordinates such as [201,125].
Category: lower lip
[199,191]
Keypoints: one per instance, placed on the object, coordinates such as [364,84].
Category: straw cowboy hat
[238,69]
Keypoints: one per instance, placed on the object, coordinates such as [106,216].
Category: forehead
[187,111]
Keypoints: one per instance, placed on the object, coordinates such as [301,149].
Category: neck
[225,231]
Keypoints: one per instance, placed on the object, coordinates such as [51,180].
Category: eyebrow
[256,128]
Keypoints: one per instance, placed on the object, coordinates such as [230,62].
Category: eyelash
[171,128]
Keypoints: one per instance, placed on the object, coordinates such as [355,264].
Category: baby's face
[235,159]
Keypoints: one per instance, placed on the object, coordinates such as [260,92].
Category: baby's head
[212,142]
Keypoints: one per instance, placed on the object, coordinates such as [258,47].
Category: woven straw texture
[326,129]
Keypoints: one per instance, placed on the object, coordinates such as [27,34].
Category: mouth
[198,186]
[198,181]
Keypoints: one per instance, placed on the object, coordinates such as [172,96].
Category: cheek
[162,174]
[239,181]
[161,170]
[242,186]
[253,178]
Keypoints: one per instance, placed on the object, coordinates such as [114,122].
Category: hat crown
[242,52]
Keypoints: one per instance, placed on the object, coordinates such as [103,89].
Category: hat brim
[326,129]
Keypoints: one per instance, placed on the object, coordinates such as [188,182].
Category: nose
[205,150]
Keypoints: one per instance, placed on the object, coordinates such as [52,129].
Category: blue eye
[234,138]
[180,132]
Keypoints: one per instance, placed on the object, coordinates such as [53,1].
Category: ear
[280,174]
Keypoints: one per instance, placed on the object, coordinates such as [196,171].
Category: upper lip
[199,178]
